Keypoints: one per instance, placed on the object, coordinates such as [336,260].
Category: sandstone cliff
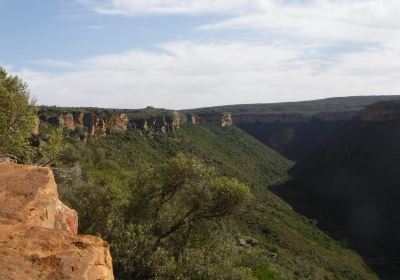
[38,232]
[226,120]
[78,119]
[82,124]
[118,123]
[66,121]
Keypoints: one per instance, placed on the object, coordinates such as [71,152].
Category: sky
[195,53]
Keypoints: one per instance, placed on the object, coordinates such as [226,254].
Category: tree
[50,149]
[17,117]
[165,221]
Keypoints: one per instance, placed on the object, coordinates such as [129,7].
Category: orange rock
[98,127]
[66,121]
[38,232]
[27,195]
[31,252]
[118,122]
[66,218]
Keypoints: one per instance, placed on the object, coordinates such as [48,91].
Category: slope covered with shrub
[119,185]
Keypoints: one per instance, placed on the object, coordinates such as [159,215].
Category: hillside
[278,243]
[351,187]
[335,104]
[295,129]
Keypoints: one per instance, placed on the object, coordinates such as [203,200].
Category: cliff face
[118,122]
[66,121]
[84,124]
[97,127]
[78,119]
[38,232]
[226,120]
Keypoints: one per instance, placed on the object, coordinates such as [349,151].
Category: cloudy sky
[193,53]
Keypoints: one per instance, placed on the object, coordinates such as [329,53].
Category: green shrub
[17,117]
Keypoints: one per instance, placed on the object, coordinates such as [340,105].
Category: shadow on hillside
[358,236]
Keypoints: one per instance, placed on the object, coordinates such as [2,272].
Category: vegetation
[116,183]
[336,104]
[192,204]
[17,117]
[17,121]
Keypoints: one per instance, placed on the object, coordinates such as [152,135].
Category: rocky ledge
[38,237]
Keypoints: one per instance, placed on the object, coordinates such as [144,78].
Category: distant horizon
[217,106]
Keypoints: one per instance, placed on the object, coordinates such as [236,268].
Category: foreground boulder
[38,237]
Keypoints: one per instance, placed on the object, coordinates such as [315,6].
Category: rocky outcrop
[31,252]
[98,127]
[196,119]
[226,120]
[65,218]
[82,124]
[7,159]
[66,121]
[178,119]
[78,119]
[117,123]
[38,232]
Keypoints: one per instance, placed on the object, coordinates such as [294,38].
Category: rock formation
[78,119]
[226,120]
[145,126]
[38,232]
[196,119]
[117,123]
[165,127]
[83,124]
[98,127]
[66,121]
[178,119]
[7,159]
[35,129]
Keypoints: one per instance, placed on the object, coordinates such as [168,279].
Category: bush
[168,222]
[17,117]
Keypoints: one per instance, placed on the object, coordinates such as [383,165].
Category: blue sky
[192,53]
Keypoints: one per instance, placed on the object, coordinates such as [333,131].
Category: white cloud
[185,74]
[333,20]
[132,7]
[374,21]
